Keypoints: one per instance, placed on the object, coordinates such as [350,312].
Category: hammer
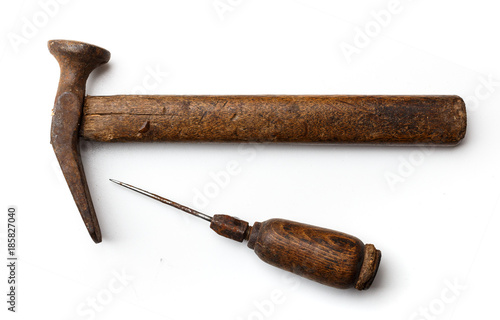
[394,120]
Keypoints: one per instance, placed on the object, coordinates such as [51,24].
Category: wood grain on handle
[400,120]
[329,257]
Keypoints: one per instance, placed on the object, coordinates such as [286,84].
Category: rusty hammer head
[76,60]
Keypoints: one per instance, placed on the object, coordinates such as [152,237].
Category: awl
[326,256]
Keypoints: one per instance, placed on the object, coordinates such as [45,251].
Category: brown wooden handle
[330,119]
[326,256]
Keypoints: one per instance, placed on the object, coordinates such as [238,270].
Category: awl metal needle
[165,200]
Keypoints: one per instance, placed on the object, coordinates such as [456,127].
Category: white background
[435,224]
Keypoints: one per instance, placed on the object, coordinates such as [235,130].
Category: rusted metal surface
[403,120]
[164,200]
[76,60]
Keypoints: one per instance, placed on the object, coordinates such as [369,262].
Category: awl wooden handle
[326,256]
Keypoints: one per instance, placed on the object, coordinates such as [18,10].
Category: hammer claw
[77,60]
[64,140]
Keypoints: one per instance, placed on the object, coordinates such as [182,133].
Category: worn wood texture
[331,119]
[329,257]
[229,227]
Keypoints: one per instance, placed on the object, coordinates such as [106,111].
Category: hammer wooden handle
[331,119]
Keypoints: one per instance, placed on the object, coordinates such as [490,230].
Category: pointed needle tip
[164,200]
